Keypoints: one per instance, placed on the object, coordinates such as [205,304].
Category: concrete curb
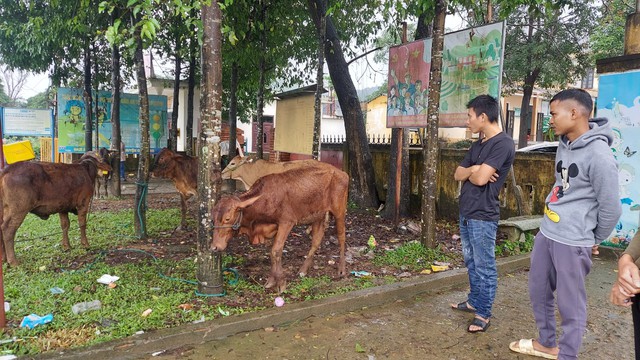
[193,334]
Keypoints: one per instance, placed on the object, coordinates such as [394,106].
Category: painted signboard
[71,118]
[471,66]
[618,102]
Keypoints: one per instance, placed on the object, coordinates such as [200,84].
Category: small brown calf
[183,171]
[277,202]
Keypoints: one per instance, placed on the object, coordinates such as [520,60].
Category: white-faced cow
[45,189]
[279,201]
[183,171]
[248,169]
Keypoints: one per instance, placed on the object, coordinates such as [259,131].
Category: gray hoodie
[584,205]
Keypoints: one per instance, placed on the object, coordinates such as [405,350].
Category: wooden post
[400,136]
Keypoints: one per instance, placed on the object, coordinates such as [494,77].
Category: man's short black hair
[485,104]
[580,96]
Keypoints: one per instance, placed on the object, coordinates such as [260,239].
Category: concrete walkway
[408,320]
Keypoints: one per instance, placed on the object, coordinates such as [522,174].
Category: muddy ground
[360,226]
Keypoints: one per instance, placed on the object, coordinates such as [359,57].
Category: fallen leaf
[359,348]
[146,312]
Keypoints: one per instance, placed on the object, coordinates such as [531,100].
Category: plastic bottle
[79,308]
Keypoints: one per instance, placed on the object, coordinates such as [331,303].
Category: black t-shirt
[481,202]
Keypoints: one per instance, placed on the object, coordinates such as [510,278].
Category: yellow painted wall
[294,129]
[377,117]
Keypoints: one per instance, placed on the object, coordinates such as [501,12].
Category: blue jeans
[478,248]
[122,174]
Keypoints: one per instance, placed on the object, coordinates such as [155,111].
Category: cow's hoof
[13,263]
[282,286]
[271,282]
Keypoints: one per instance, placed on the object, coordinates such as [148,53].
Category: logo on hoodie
[566,173]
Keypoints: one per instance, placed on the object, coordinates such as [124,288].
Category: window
[587,80]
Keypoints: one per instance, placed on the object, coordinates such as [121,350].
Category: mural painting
[71,117]
[471,65]
[621,105]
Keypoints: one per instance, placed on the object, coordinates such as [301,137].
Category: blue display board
[71,118]
[619,101]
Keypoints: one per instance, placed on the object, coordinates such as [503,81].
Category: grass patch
[515,247]
[44,265]
[411,256]
[150,278]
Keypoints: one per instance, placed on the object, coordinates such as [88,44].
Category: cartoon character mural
[74,112]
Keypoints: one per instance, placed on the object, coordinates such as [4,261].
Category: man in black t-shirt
[482,171]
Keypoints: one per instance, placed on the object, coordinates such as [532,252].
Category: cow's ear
[248,202]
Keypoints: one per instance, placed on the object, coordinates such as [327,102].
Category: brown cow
[44,189]
[298,196]
[183,171]
[248,169]
[104,176]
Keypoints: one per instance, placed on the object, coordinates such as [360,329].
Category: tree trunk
[116,136]
[193,62]
[317,121]
[233,120]
[430,143]
[527,91]
[140,213]
[261,80]
[424,29]
[96,106]
[173,134]
[88,103]
[362,188]
[209,272]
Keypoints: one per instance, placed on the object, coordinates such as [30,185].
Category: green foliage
[607,39]
[549,134]
[4,98]
[545,44]
[38,101]
[507,248]
[412,255]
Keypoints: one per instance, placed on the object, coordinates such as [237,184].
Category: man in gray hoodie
[581,211]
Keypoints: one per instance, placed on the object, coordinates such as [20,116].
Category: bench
[516,227]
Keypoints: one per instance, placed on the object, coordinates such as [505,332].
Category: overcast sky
[364,72]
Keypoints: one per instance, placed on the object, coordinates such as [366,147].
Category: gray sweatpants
[562,269]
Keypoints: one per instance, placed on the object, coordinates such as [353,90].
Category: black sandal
[479,323]
[464,306]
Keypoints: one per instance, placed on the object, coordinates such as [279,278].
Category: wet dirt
[422,328]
